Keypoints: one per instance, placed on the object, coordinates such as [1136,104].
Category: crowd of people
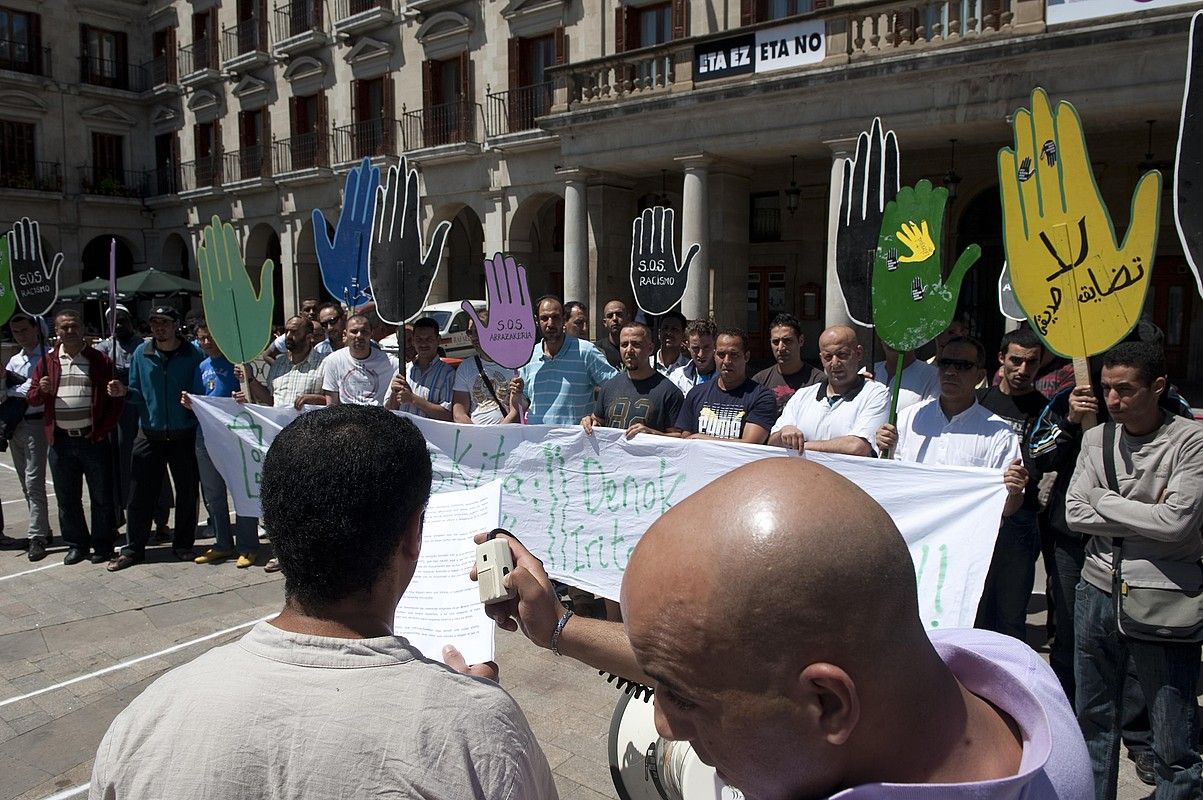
[117,415]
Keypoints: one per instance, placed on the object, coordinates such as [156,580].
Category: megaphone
[645,766]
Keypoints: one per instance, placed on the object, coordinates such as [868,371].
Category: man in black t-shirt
[790,373]
[733,406]
[639,400]
[1013,567]
[614,316]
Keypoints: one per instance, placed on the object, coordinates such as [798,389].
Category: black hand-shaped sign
[35,284]
[401,276]
[657,278]
[1188,172]
[870,182]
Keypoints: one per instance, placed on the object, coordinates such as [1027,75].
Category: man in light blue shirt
[560,378]
[425,386]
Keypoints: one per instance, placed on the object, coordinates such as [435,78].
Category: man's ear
[829,699]
[411,541]
[1159,386]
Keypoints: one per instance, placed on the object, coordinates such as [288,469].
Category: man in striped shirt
[563,371]
[426,386]
[79,416]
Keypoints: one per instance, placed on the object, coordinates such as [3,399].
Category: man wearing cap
[160,370]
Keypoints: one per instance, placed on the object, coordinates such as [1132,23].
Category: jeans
[1167,674]
[73,460]
[123,438]
[28,446]
[1004,605]
[148,467]
[213,490]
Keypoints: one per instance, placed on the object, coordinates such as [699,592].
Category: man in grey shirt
[1155,517]
[323,700]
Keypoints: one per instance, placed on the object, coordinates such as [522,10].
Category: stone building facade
[541,127]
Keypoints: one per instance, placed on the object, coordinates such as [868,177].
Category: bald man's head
[841,354]
[744,598]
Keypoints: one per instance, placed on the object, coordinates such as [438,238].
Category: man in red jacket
[71,381]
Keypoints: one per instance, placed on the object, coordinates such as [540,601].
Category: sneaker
[213,556]
[246,560]
[273,565]
[37,549]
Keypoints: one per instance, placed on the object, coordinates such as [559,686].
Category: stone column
[576,236]
[695,227]
[835,311]
[287,272]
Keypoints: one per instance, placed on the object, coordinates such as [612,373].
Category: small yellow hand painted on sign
[918,240]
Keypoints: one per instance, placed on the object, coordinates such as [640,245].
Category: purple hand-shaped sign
[509,335]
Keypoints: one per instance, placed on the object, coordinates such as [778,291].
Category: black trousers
[149,463]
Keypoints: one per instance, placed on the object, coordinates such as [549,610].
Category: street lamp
[793,193]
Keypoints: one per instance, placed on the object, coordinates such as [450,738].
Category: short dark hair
[334,537]
[367,320]
[569,307]
[674,314]
[787,320]
[640,325]
[426,322]
[1146,357]
[702,327]
[69,312]
[737,333]
[198,323]
[331,304]
[306,321]
[543,299]
[974,343]
[1023,337]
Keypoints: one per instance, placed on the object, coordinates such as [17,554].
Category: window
[252,140]
[372,133]
[103,57]
[646,26]
[752,11]
[20,41]
[108,161]
[536,55]
[207,144]
[448,108]
[765,217]
[17,154]
[307,120]
[655,25]
[163,51]
[167,156]
[204,41]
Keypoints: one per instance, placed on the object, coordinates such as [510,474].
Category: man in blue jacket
[161,370]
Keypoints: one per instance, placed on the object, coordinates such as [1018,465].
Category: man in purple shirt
[830,687]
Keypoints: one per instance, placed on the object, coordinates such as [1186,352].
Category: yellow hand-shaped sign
[917,239]
[1082,291]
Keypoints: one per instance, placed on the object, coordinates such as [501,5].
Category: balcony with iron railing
[244,46]
[305,153]
[203,174]
[514,111]
[24,57]
[198,63]
[369,138]
[163,71]
[164,180]
[112,74]
[439,126]
[251,163]
[33,176]
[852,32]
[107,182]
[361,16]
[299,27]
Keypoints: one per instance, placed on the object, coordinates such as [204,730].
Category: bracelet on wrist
[555,636]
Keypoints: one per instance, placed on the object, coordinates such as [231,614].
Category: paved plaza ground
[59,624]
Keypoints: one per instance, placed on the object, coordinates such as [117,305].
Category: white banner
[581,503]
[1059,11]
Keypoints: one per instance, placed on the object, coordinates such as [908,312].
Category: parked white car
[453,327]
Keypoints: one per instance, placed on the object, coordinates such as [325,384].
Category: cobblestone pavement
[60,623]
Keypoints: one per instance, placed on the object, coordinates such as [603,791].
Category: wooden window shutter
[467,98]
[747,12]
[561,46]
[262,25]
[514,62]
[680,19]
[213,39]
[429,68]
[354,101]
[265,143]
[85,66]
[170,56]
[292,117]
[321,126]
[820,4]
[35,41]
[389,137]
[620,29]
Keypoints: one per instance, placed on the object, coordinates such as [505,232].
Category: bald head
[841,355]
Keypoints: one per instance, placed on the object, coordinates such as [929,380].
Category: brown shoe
[120,562]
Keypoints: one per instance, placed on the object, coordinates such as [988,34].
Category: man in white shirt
[424,388]
[700,336]
[340,705]
[840,414]
[28,441]
[485,393]
[292,381]
[955,429]
[920,380]
[359,374]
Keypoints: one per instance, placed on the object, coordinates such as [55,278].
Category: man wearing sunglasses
[955,429]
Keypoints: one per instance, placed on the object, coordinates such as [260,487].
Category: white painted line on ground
[6,466]
[132,661]
[22,499]
[29,571]
[73,792]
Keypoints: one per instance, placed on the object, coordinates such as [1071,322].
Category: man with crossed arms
[841,414]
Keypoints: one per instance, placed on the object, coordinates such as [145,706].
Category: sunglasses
[959,364]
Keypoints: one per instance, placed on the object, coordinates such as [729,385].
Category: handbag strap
[489,384]
[1117,544]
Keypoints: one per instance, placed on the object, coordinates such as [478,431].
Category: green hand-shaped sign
[8,297]
[911,301]
[239,320]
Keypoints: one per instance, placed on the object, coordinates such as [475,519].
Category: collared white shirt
[22,365]
[920,382]
[974,438]
[287,381]
[859,411]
